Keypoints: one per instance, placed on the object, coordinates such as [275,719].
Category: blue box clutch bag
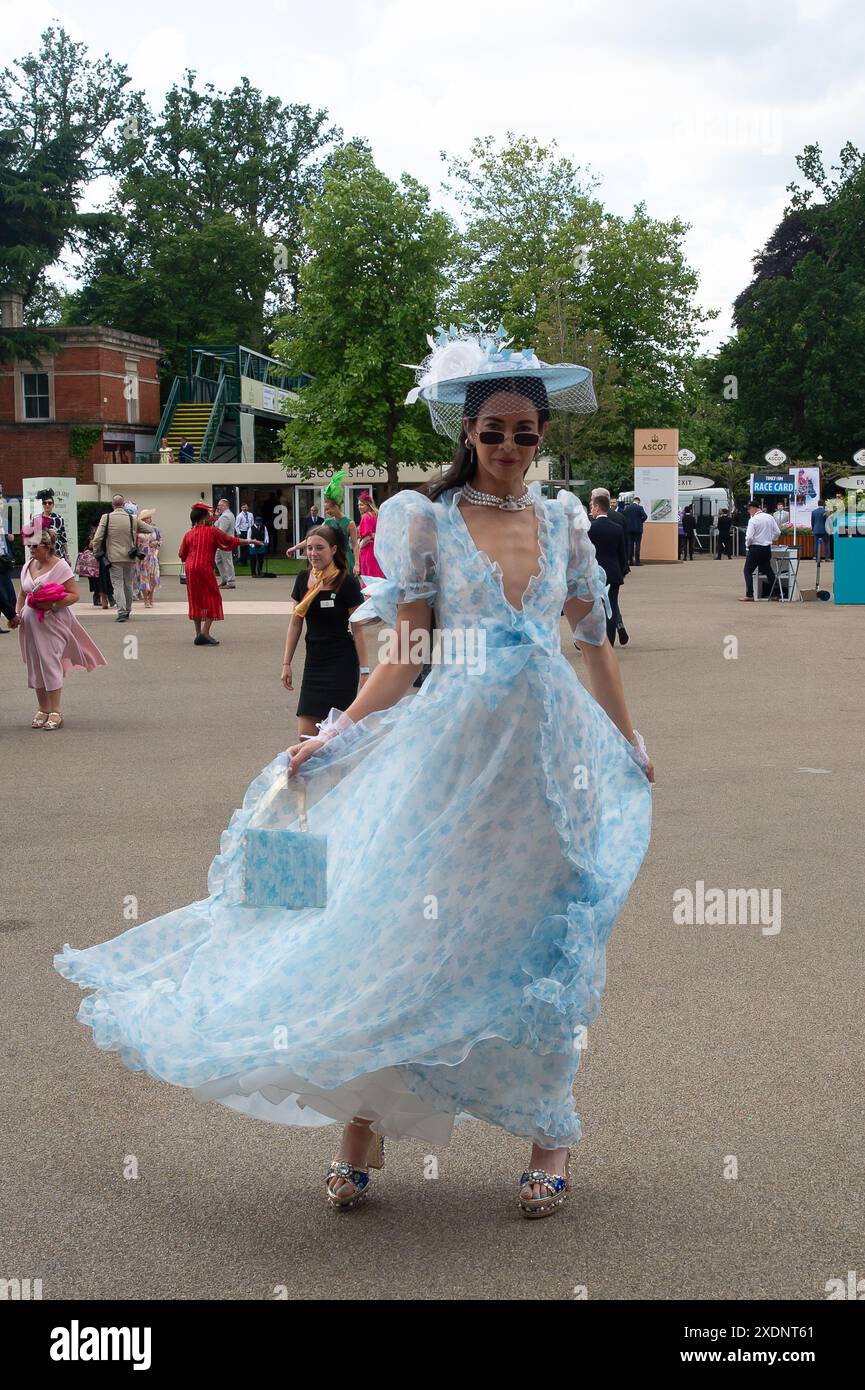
[281,867]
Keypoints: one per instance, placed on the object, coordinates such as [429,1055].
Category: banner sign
[658,492]
[261,396]
[806,494]
[690,482]
[765,483]
[65,505]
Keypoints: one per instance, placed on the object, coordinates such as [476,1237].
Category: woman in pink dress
[369,565]
[51,637]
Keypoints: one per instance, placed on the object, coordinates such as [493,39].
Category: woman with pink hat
[53,642]
[368,565]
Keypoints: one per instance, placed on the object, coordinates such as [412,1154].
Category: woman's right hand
[299,752]
[286,678]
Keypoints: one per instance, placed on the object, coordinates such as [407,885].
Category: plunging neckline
[35,578]
[493,567]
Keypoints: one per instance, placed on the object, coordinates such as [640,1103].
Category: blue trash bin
[850,560]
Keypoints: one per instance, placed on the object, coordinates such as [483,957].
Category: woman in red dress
[197,550]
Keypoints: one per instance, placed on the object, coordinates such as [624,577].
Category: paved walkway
[720,1049]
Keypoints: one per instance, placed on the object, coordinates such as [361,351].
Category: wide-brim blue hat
[461,365]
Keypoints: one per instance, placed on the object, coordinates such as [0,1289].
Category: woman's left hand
[299,752]
[650,771]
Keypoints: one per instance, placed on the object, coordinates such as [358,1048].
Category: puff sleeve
[406,547]
[585,578]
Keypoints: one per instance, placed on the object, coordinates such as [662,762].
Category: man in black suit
[725,534]
[616,514]
[635,519]
[609,542]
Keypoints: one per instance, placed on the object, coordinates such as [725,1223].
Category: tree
[540,248]
[529,217]
[33,222]
[207,242]
[574,441]
[799,350]
[197,284]
[56,107]
[368,294]
[56,111]
[714,429]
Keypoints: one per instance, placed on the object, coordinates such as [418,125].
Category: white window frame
[21,416]
[133,401]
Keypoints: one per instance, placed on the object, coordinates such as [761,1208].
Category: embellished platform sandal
[341,1175]
[551,1199]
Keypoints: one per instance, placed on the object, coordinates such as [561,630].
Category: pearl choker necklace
[489,499]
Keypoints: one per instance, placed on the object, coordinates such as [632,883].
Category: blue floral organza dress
[462,948]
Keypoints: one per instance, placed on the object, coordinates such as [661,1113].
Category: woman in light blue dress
[460,954]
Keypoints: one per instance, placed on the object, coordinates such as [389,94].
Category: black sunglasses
[524,439]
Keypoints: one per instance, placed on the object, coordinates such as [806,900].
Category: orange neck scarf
[323,580]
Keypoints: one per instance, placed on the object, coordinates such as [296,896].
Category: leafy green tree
[207,242]
[540,249]
[575,440]
[377,267]
[799,351]
[200,284]
[57,108]
[529,216]
[713,429]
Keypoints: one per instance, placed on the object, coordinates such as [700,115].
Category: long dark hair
[465,464]
[334,535]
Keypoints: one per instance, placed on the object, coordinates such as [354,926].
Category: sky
[697,109]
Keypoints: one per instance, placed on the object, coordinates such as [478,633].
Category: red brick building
[99,379]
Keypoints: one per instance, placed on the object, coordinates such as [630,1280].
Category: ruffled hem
[280,1096]
[565,958]
[400,1104]
[567,995]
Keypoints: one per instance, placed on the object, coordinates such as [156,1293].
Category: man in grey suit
[118,533]
[225,558]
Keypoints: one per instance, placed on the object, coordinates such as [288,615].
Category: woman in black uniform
[325,595]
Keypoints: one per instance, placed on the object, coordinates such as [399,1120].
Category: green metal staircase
[212,392]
